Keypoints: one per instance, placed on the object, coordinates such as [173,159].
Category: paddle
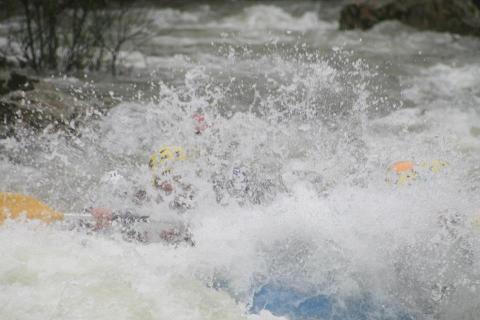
[16,205]
[134,227]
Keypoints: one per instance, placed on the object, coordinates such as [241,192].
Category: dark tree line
[69,35]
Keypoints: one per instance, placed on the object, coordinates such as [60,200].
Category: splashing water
[292,189]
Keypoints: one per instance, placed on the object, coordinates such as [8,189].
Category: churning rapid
[295,210]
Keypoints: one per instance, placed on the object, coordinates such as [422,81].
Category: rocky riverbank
[35,105]
[39,104]
[455,16]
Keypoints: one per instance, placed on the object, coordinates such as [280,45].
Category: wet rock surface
[18,81]
[455,16]
[34,105]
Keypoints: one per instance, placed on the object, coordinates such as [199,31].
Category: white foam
[260,17]
[318,215]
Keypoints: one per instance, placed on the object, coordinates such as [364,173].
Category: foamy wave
[460,85]
[274,18]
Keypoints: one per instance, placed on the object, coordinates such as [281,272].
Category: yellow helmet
[434,165]
[476,222]
[166,155]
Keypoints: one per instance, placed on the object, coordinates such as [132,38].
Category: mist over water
[310,119]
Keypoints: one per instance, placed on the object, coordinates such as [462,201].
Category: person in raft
[16,206]
[407,172]
[168,184]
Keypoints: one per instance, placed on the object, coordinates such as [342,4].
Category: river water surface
[291,176]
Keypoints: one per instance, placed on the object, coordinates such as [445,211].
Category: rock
[3,82]
[15,81]
[41,108]
[3,62]
[19,81]
[455,16]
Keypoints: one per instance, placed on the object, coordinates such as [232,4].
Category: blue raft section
[293,304]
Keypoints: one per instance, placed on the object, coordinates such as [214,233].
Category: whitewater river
[293,196]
